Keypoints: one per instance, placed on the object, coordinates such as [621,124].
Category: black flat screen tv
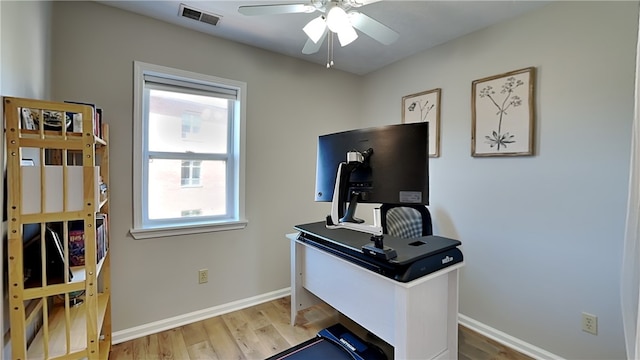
[395,169]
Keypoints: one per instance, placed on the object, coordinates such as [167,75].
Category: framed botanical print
[502,108]
[425,106]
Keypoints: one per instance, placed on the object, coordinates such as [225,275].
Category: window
[188,152]
[190,173]
[190,124]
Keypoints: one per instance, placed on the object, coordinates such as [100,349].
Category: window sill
[140,234]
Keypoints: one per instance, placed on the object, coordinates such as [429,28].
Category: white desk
[418,318]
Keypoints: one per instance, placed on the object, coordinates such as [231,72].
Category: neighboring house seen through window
[190,173]
[188,152]
[190,124]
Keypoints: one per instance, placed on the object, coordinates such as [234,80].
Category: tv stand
[350,215]
[338,218]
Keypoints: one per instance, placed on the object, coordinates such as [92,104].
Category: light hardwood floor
[263,330]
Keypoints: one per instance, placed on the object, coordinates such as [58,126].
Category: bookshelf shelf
[77,341]
[57,183]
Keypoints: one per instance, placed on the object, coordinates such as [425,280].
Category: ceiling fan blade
[311,47]
[373,28]
[275,9]
[358,3]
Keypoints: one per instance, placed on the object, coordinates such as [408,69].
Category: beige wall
[290,103]
[26,50]
[542,235]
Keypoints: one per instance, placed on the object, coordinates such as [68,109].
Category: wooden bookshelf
[57,311]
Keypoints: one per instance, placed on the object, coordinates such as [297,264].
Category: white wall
[26,48]
[542,235]
[24,72]
[290,103]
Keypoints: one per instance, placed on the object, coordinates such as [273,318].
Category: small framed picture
[503,114]
[425,106]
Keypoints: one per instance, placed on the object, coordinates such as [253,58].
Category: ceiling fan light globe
[315,28]
[337,19]
[346,36]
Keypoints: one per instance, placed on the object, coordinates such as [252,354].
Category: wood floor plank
[272,339]
[256,317]
[122,351]
[319,315]
[221,340]
[171,345]
[478,347]
[165,351]
[178,343]
[146,348]
[194,333]
[202,350]
[293,334]
[244,336]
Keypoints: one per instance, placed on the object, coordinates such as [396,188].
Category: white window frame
[141,230]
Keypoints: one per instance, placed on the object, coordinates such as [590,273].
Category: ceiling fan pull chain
[330,51]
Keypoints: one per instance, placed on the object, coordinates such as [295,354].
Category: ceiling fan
[338,17]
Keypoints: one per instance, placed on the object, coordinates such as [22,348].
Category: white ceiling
[421,25]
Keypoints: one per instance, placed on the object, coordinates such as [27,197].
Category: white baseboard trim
[176,321]
[506,339]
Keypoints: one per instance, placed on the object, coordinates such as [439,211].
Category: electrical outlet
[590,323]
[203,276]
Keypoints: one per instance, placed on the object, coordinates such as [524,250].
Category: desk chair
[405,221]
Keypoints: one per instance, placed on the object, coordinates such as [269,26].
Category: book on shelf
[76,243]
[102,237]
[30,119]
[97,118]
[77,240]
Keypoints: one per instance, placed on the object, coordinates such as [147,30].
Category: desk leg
[452,314]
[426,319]
[301,298]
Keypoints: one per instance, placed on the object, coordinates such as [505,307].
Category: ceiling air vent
[199,15]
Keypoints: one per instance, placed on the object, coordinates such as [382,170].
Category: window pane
[195,173]
[185,173]
[181,122]
[168,199]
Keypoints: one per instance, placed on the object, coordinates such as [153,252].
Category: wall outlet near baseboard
[590,323]
[203,276]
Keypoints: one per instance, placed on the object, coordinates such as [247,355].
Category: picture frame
[425,106]
[503,114]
